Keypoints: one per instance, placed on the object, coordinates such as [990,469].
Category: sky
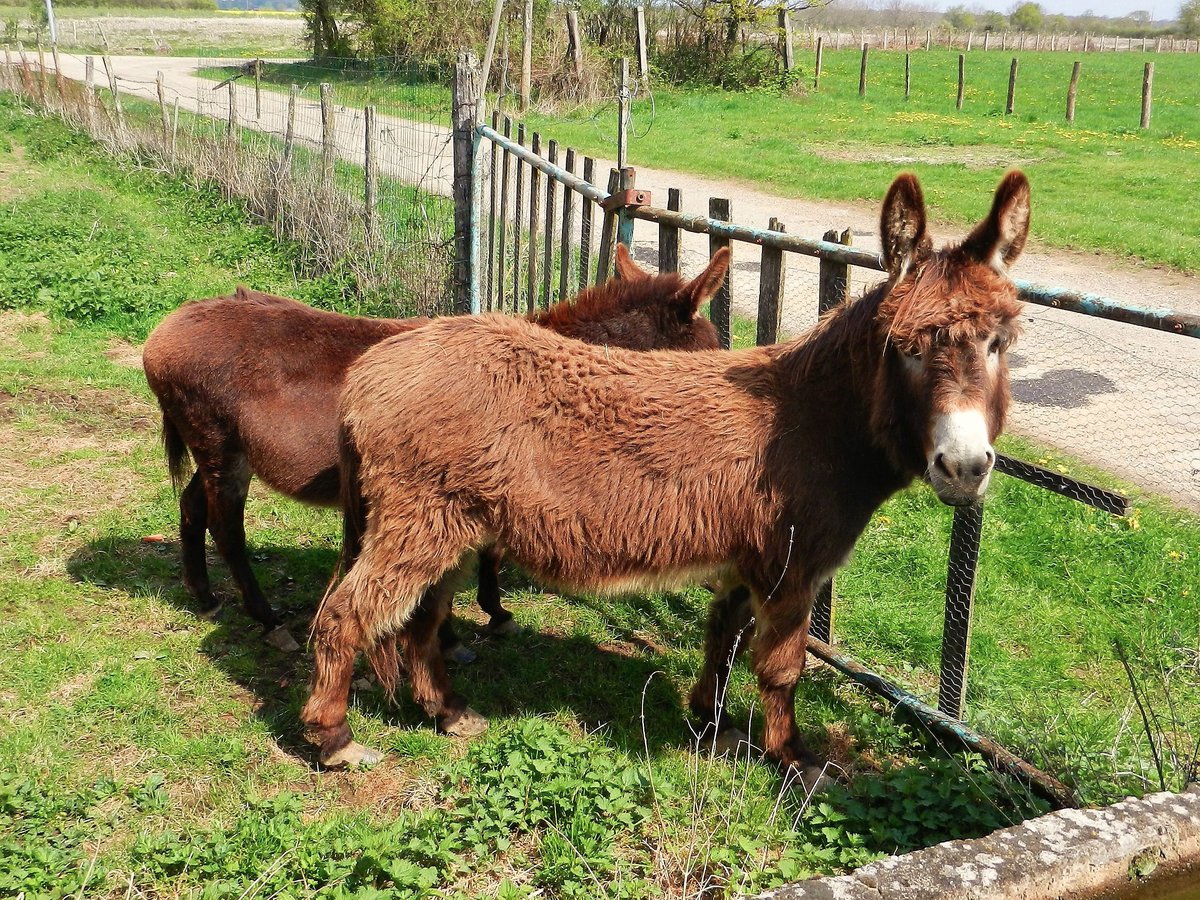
[1159,9]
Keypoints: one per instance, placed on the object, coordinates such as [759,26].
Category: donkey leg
[193,523]
[227,494]
[502,622]
[730,628]
[427,667]
[452,645]
[337,637]
[780,642]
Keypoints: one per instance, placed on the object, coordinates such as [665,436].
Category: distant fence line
[952,39]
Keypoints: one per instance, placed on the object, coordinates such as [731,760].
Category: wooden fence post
[862,72]
[817,65]
[907,75]
[535,201]
[608,231]
[526,54]
[231,124]
[370,176]
[502,255]
[771,278]
[1147,85]
[162,107]
[928,39]
[962,80]
[669,236]
[258,90]
[1012,88]
[622,111]
[89,92]
[833,290]
[328,133]
[987,39]
[289,134]
[785,33]
[574,43]
[548,247]
[568,222]
[1071,91]
[467,90]
[970,40]
[518,213]
[642,45]
[586,225]
[718,310]
[112,86]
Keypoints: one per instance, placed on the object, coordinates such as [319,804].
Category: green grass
[140,745]
[1099,185]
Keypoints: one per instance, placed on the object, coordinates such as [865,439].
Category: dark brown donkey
[248,384]
[605,471]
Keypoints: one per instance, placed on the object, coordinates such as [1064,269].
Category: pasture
[146,752]
[1102,184]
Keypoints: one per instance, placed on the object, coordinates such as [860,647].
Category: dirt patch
[15,321]
[87,410]
[73,687]
[124,354]
[934,155]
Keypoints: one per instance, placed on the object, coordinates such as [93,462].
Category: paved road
[1119,397]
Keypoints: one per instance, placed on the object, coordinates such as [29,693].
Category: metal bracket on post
[965,535]
[626,190]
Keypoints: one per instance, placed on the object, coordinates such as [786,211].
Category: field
[1101,184]
[144,752]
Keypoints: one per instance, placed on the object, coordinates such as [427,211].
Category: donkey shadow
[617,685]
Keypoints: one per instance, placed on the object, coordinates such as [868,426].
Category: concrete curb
[1108,852]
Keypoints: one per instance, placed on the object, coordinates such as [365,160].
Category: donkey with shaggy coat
[248,385]
[606,471]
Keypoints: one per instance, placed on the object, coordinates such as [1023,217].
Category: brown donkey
[248,384]
[604,471]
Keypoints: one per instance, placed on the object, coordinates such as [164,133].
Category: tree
[721,22]
[1189,18]
[993,21]
[960,18]
[1026,17]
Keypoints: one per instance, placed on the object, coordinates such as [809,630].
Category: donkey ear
[999,239]
[704,286]
[902,226]
[627,269]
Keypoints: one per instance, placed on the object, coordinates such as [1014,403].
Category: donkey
[582,463]
[248,384]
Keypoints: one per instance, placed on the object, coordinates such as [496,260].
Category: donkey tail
[178,458]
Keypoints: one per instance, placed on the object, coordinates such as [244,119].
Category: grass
[143,750]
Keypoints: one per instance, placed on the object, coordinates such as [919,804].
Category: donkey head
[640,311]
[949,316]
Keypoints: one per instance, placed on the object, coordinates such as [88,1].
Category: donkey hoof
[280,638]
[731,742]
[353,756]
[466,724]
[809,779]
[507,628]
[209,611]
[461,654]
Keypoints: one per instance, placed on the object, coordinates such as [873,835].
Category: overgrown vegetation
[144,750]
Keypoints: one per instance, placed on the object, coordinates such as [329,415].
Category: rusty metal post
[960,601]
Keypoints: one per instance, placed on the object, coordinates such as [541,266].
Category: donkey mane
[601,302]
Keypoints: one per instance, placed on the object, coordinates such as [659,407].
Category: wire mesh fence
[359,178]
